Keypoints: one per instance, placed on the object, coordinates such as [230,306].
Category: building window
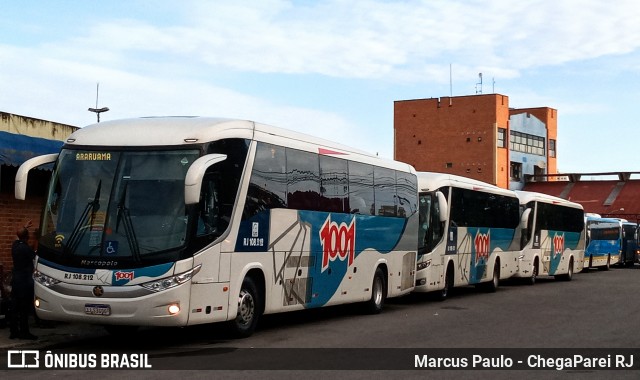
[552,148]
[502,134]
[526,143]
[516,171]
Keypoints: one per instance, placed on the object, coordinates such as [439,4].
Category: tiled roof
[608,198]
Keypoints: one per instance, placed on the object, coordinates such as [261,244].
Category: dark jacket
[22,274]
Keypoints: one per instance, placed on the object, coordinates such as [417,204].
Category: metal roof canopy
[16,149]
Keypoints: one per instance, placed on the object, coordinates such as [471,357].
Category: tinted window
[220,186]
[361,198]
[334,185]
[559,218]
[407,188]
[384,181]
[431,229]
[268,184]
[295,179]
[479,209]
[303,180]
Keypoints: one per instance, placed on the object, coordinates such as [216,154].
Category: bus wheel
[378,293]
[448,285]
[248,309]
[606,267]
[492,286]
[534,274]
[569,275]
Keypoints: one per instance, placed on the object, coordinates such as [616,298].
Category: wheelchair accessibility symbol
[111,248]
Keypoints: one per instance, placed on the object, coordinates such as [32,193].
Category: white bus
[552,239]
[467,234]
[183,221]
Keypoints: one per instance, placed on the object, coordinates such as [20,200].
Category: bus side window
[424,210]
[431,228]
[210,219]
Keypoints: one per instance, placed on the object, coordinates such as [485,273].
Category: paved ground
[59,332]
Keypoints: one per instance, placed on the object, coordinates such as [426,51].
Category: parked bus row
[183,221]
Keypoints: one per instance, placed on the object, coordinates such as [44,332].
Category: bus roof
[619,221]
[429,181]
[616,221]
[189,130]
[529,196]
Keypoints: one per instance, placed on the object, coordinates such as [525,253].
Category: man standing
[22,285]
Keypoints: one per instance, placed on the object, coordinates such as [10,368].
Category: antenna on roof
[97,110]
[479,89]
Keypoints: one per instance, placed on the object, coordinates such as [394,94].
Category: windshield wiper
[129,232]
[78,232]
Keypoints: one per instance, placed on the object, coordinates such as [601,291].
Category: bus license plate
[97,309]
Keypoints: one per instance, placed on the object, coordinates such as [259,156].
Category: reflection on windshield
[117,204]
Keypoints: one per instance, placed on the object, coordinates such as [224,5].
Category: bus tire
[534,273]
[445,292]
[608,265]
[249,309]
[378,293]
[492,286]
[569,275]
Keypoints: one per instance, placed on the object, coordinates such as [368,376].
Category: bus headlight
[423,265]
[171,282]
[44,280]
[174,309]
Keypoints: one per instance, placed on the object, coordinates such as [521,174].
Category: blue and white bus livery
[182,221]
[552,239]
[467,234]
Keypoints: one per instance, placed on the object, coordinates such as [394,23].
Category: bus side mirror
[524,219]
[193,179]
[20,188]
[443,206]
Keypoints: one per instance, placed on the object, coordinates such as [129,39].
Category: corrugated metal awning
[16,149]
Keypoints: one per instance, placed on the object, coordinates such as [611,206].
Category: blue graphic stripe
[381,234]
[603,247]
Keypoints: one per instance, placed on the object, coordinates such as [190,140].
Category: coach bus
[180,221]
[467,234]
[604,242]
[552,238]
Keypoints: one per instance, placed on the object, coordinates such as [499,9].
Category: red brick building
[20,139]
[472,136]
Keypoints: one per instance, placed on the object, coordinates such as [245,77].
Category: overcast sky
[331,68]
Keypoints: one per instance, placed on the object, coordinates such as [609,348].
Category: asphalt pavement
[53,333]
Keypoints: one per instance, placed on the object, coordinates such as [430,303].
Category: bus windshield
[116,205]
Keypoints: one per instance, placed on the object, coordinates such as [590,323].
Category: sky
[330,68]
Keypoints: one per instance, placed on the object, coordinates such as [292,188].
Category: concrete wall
[549,116]
[22,125]
[529,124]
